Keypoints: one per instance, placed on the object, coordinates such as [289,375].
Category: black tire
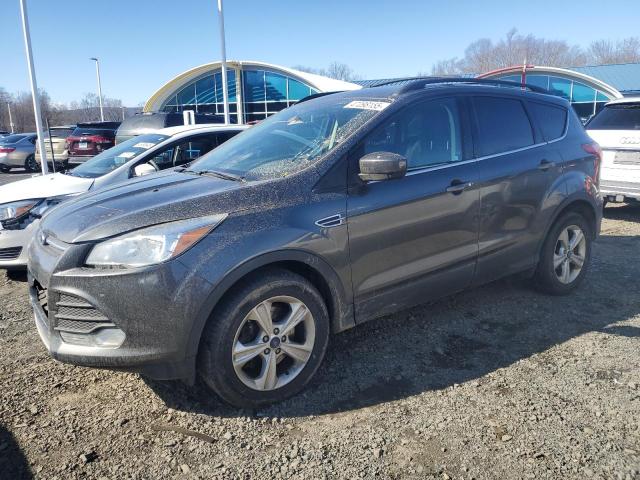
[545,277]
[30,164]
[5,169]
[215,355]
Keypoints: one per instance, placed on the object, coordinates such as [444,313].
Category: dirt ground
[498,382]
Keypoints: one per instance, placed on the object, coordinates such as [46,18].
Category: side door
[517,169]
[414,239]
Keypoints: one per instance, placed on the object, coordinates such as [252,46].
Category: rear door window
[502,125]
[552,120]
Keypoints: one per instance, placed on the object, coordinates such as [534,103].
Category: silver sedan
[18,151]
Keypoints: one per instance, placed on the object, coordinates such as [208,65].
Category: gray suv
[332,212]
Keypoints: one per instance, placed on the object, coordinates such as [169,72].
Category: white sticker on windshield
[145,145]
[367,105]
[127,155]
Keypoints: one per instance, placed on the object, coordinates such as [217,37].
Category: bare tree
[604,52]
[337,70]
[85,110]
[484,55]
[451,66]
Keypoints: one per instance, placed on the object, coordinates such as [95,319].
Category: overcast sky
[143,43]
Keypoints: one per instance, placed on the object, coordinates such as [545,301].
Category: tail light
[6,149]
[595,150]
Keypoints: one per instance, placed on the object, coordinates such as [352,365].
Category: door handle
[546,165]
[457,187]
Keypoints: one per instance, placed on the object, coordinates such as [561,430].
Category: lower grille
[10,253]
[74,314]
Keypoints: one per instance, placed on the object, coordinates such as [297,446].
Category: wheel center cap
[275,342]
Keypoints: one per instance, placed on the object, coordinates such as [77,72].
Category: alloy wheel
[273,343]
[569,254]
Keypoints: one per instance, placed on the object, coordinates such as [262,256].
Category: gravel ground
[14,175]
[498,382]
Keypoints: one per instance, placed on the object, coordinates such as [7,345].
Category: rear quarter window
[502,125]
[551,119]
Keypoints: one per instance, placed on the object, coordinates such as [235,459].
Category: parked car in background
[18,151]
[147,122]
[4,133]
[329,213]
[89,139]
[22,203]
[617,129]
[56,146]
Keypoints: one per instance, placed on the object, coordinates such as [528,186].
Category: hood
[139,203]
[616,138]
[44,186]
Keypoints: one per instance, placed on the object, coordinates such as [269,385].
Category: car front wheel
[266,341]
[566,255]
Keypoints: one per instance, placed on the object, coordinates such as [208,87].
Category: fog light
[103,338]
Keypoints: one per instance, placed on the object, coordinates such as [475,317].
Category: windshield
[12,138]
[622,116]
[290,140]
[117,156]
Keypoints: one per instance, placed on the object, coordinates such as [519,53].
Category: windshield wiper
[215,173]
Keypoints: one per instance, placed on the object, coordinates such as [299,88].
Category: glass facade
[586,100]
[260,93]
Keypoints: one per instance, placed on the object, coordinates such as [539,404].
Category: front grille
[74,314]
[10,253]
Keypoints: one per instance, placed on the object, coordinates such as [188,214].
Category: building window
[263,93]
[586,100]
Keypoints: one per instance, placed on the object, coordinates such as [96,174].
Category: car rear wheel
[266,341]
[30,164]
[566,255]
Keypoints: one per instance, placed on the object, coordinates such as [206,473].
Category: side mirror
[382,166]
[143,169]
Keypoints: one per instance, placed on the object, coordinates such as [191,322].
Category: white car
[22,203]
[617,129]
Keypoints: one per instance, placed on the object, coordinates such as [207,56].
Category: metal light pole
[223,48]
[99,87]
[34,86]
[10,117]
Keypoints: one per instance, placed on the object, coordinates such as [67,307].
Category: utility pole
[99,87]
[10,118]
[34,86]
[223,48]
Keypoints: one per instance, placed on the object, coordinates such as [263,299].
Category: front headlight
[152,245]
[13,210]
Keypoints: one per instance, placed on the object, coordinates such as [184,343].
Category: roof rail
[317,95]
[416,83]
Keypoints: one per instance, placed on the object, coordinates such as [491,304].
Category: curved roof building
[587,94]
[256,90]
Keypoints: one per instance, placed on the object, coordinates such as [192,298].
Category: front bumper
[148,305]
[13,246]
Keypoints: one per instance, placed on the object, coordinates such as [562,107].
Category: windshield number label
[367,105]
[145,145]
